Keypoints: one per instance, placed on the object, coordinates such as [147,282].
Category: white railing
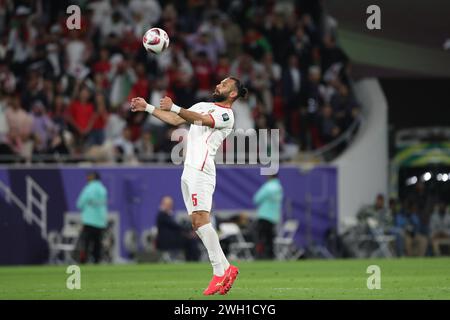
[39,201]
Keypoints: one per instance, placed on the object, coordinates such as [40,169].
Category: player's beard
[219,97]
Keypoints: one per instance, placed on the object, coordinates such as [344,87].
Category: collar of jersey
[222,106]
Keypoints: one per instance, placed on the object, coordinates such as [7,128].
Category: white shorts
[197,188]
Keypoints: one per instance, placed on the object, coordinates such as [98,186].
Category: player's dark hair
[242,91]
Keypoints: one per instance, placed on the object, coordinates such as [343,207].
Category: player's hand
[138,104]
[165,103]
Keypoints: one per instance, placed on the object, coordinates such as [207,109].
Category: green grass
[418,278]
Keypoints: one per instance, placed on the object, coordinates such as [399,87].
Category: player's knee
[199,219]
[197,224]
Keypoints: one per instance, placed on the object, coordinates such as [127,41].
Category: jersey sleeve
[196,107]
[222,118]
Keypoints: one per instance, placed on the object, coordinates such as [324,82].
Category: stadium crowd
[66,93]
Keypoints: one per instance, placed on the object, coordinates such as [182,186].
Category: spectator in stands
[243,67]
[77,52]
[124,148]
[92,202]
[242,109]
[33,91]
[3,122]
[135,123]
[122,78]
[54,60]
[212,23]
[233,37]
[331,54]
[300,45]
[268,200]
[141,87]
[44,130]
[311,101]
[256,43]
[278,35]
[20,38]
[154,125]
[151,8]
[166,144]
[144,146]
[203,73]
[103,65]
[8,80]
[329,129]
[49,92]
[376,220]
[378,212]
[408,220]
[5,149]
[80,116]
[203,40]
[394,210]
[310,26]
[20,125]
[115,125]
[424,199]
[180,74]
[440,228]
[291,84]
[97,134]
[344,106]
[171,236]
[272,69]
[222,69]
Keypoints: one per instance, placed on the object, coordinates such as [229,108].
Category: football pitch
[412,278]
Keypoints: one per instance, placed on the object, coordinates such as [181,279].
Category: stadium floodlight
[439,177]
[410,181]
[426,176]
[445,177]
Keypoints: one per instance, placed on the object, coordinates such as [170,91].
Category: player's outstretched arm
[190,116]
[139,104]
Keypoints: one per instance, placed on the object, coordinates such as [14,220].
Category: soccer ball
[155,40]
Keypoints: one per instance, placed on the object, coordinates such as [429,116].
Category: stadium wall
[363,168]
[135,193]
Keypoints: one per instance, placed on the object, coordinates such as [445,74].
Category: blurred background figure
[440,228]
[394,209]
[378,212]
[92,202]
[415,240]
[268,200]
[173,237]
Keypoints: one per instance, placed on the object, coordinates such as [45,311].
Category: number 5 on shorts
[194,199]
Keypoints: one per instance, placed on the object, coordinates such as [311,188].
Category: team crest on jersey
[225,117]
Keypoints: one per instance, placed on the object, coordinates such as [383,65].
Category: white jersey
[203,141]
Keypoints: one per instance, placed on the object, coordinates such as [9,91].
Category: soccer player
[211,123]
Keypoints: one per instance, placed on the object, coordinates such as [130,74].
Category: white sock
[225,262]
[224,259]
[211,242]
